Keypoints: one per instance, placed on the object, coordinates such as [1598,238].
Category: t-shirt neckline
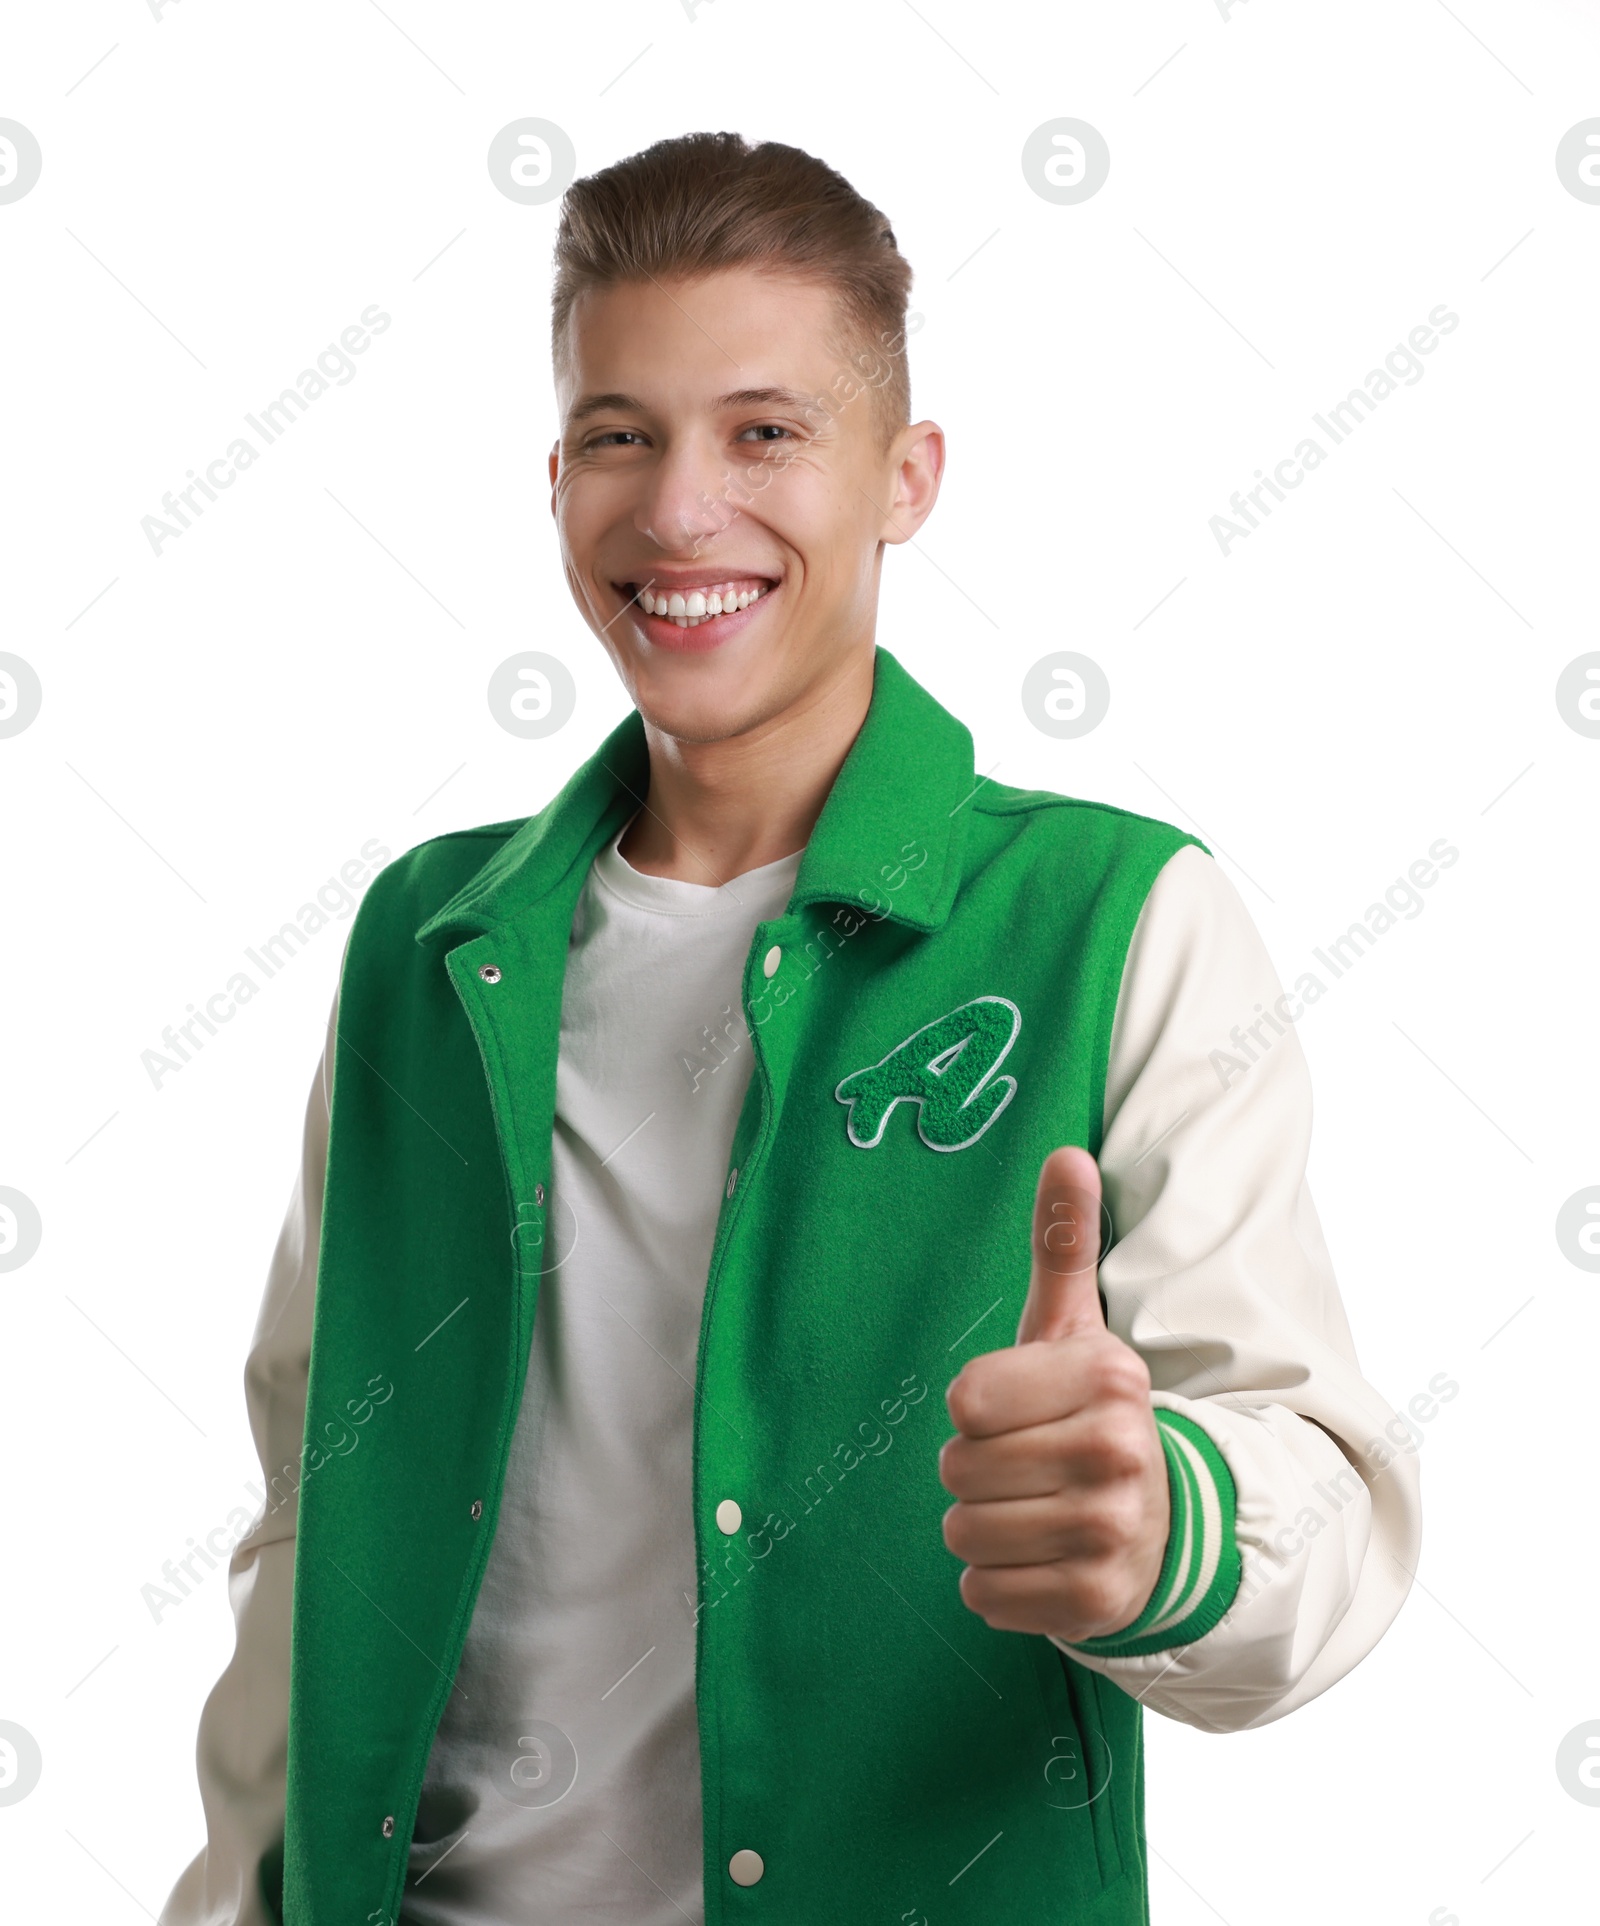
[671,896]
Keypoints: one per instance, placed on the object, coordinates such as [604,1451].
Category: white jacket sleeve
[242,1752]
[1219,1277]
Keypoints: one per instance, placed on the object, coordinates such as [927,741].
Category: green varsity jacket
[930,1016]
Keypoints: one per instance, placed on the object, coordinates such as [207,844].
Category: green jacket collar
[900,792]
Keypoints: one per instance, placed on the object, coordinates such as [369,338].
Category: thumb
[1063,1290]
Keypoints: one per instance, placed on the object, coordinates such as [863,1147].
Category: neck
[717,809]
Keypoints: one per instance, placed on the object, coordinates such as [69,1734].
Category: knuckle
[1126,1450]
[1120,1372]
[1137,1373]
[1116,1520]
[1114,1451]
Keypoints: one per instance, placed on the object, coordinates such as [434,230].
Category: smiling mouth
[704,602]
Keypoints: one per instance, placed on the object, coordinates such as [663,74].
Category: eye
[613,436]
[767,431]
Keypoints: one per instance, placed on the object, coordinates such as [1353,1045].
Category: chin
[701,715]
[717,694]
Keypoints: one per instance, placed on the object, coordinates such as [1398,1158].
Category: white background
[224,725]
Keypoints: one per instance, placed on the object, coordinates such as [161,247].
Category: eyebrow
[618,403]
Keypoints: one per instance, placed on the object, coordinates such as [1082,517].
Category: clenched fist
[1057,1470]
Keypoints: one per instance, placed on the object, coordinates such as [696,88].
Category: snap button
[490,972]
[388,1833]
[477,1509]
[538,1194]
[733,1178]
[729,1516]
[746,1867]
[770,962]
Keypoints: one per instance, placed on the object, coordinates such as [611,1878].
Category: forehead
[695,340]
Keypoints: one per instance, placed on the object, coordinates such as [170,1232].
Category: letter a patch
[947,1069]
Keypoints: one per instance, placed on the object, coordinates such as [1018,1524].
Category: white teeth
[690,610]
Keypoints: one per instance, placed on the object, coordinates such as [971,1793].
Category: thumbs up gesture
[1059,1478]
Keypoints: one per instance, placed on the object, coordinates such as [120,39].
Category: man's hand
[1060,1480]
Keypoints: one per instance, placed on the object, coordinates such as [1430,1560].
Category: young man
[689,1158]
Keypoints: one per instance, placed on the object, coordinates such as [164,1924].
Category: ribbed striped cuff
[1201,1570]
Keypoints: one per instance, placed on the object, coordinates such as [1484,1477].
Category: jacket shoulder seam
[1024,802]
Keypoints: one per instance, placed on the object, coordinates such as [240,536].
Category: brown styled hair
[699,202]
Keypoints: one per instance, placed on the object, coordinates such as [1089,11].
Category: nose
[687,500]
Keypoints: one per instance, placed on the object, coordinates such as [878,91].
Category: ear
[555,469]
[915,464]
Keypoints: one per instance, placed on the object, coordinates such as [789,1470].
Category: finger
[1071,1599]
[1017,1464]
[1082,1452]
[1063,1288]
[1036,1531]
[1029,1384]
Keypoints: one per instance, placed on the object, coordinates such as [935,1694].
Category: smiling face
[723,494]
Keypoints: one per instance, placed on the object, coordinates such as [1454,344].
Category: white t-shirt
[563,1788]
